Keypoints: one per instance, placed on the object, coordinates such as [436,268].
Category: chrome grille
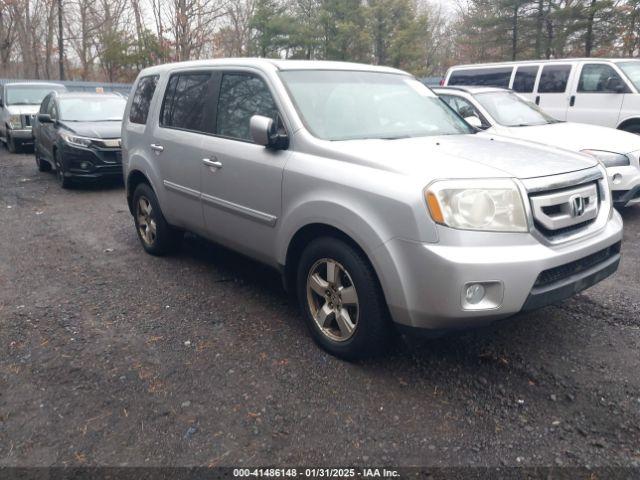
[566,210]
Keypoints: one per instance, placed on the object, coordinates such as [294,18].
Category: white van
[599,91]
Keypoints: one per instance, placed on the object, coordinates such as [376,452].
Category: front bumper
[425,284]
[91,163]
[625,185]
[23,135]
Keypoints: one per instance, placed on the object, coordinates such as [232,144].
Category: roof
[88,95]
[541,61]
[274,64]
[33,84]
[471,89]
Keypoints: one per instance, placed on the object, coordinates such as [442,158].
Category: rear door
[597,95]
[242,181]
[177,138]
[524,80]
[553,89]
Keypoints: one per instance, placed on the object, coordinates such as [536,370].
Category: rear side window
[490,77]
[554,78]
[241,97]
[142,99]
[185,104]
[525,79]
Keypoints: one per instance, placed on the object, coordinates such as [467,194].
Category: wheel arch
[135,178]
[627,122]
[303,236]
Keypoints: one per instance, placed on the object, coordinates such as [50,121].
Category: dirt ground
[109,356]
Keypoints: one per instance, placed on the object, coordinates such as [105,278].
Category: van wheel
[341,300]
[632,128]
[155,234]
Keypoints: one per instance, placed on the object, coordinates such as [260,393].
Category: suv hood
[22,109]
[580,136]
[462,156]
[94,129]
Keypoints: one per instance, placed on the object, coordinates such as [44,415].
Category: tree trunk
[588,44]
[514,35]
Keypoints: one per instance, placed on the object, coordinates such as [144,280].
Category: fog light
[617,178]
[85,165]
[474,293]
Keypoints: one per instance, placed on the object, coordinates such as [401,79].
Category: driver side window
[599,78]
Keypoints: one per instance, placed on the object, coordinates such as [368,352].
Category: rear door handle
[538,100]
[213,163]
[157,148]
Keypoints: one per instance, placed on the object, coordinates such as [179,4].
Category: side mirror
[265,132]
[44,118]
[613,84]
[473,121]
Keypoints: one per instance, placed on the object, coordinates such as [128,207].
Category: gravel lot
[109,356]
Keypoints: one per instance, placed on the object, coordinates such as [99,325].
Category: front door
[598,95]
[242,181]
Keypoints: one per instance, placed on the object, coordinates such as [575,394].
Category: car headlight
[15,121]
[75,140]
[477,204]
[609,159]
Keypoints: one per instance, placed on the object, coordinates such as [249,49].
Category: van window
[554,78]
[525,79]
[241,97]
[184,104]
[597,77]
[142,99]
[490,77]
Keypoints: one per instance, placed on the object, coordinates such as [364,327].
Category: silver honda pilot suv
[378,204]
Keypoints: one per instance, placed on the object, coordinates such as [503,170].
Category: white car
[504,112]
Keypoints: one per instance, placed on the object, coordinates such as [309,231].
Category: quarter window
[525,79]
[598,78]
[241,97]
[184,104]
[142,99]
[489,77]
[554,78]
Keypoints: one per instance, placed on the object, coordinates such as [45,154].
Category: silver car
[378,203]
[19,104]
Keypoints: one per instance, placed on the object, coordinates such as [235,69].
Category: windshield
[28,95]
[632,71]
[92,109]
[510,110]
[348,105]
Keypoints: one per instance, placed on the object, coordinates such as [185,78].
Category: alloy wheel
[146,222]
[332,299]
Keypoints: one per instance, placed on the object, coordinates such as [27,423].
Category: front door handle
[157,148]
[213,163]
[572,101]
[538,100]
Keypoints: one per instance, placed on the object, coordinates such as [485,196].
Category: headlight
[15,121]
[609,159]
[486,205]
[75,140]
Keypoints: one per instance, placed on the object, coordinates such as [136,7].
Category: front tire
[156,235]
[342,302]
[64,181]
[43,165]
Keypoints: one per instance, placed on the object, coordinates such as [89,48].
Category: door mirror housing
[614,85]
[45,118]
[474,121]
[268,133]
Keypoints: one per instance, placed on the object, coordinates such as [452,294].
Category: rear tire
[156,235]
[342,301]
